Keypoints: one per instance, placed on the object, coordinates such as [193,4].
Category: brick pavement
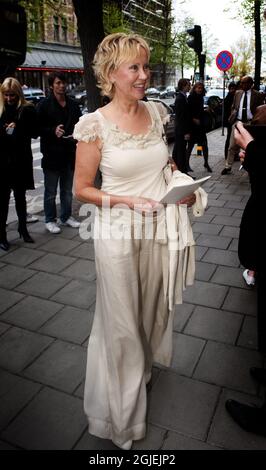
[47,297]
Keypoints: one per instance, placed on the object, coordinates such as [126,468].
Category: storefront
[44,58]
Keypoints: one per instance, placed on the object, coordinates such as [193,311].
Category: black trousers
[179,153]
[261,309]
[20,204]
[200,141]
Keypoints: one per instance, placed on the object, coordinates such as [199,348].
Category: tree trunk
[257,8]
[90,29]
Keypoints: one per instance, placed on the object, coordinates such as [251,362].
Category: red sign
[224,60]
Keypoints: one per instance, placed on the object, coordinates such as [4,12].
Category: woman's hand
[188,200]
[144,205]
[242,136]
[11,125]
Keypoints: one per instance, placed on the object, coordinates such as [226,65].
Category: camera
[10,130]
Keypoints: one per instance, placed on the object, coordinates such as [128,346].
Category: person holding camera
[251,139]
[18,124]
[58,115]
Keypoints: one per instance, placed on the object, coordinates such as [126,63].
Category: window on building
[56,28]
[64,29]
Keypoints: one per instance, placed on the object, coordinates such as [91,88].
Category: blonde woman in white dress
[134,314]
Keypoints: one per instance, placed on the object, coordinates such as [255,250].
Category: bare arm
[88,157]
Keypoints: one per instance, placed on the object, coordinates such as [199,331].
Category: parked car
[170,126]
[213,108]
[34,95]
[215,92]
[79,95]
[152,92]
[168,92]
[212,116]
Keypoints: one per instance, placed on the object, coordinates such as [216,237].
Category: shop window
[56,28]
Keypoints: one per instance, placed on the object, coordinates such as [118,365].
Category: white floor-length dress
[133,323]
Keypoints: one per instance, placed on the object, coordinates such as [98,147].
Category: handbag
[168,172]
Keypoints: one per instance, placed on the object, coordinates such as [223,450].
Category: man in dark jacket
[244,106]
[182,125]
[57,116]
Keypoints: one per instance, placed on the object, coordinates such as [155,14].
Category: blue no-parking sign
[224,60]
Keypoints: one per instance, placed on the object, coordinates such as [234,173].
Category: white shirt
[249,113]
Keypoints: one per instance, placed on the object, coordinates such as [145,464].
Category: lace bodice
[130,164]
[93,125]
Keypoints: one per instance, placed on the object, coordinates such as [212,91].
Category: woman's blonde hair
[115,49]
[11,84]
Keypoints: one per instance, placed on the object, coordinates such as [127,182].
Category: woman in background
[18,124]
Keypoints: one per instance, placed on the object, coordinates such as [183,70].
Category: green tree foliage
[243,53]
[113,20]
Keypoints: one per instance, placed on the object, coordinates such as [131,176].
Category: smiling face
[131,78]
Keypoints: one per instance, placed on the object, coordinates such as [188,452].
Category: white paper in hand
[179,192]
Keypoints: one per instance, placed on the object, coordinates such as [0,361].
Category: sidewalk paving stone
[8,298]
[52,421]
[241,300]
[60,246]
[205,294]
[175,441]
[77,293]
[233,245]
[186,353]
[11,276]
[19,348]
[52,263]
[200,252]
[235,205]
[70,324]
[227,366]
[84,251]
[214,241]
[248,334]
[31,312]
[232,232]
[18,393]
[3,328]
[229,276]
[226,220]
[222,257]
[208,229]
[61,366]
[43,284]
[181,316]
[219,211]
[81,269]
[209,323]
[187,406]
[22,256]
[226,433]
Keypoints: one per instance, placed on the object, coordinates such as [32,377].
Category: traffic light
[13,33]
[196,42]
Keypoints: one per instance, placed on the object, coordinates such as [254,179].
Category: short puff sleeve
[164,115]
[88,128]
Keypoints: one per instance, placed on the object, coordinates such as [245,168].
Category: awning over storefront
[52,57]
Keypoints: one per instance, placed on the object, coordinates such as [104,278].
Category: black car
[34,95]
[212,116]
[213,106]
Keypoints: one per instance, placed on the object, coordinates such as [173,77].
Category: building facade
[53,42]
[57,46]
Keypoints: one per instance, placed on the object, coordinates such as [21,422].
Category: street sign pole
[223,104]
[224,62]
